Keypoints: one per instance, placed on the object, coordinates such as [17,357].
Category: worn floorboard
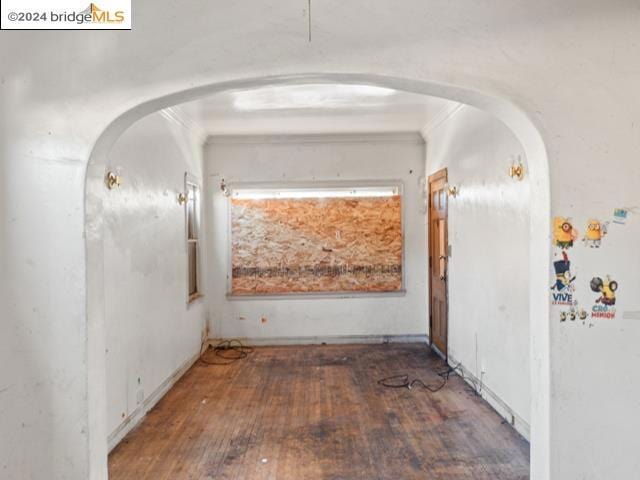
[317,412]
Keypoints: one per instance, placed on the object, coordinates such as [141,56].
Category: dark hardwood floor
[317,412]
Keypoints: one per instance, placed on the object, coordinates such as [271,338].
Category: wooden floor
[317,412]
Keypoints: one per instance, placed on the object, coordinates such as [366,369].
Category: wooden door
[438,258]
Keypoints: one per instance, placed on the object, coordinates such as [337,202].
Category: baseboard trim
[505,411]
[137,415]
[329,340]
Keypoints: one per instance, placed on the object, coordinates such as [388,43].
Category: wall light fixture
[113,180]
[516,170]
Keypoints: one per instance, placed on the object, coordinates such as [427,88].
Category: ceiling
[313,108]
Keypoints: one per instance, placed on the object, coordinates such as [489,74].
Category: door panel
[438,259]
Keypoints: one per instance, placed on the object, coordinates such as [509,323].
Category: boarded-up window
[306,240]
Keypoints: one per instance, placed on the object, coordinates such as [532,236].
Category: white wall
[489,266]
[321,158]
[151,331]
[571,68]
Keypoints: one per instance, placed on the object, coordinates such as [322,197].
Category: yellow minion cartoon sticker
[573,314]
[596,230]
[604,306]
[563,233]
[563,288]
[606,288]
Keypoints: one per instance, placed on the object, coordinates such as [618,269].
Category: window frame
[340,184]
[192,183]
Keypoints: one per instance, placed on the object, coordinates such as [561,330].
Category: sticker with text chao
[605,304]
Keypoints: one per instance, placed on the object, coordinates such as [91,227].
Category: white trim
[413,138]
[178,116]
[319,184]
[329,340]
[441,117]
[191,180]
[135,417]
[314,295]
[315,184]
[505,411]
[437,351]
[314,193]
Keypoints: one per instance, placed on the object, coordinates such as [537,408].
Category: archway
[517,120]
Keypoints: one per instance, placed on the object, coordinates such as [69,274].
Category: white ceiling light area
[301,97]
[313,108]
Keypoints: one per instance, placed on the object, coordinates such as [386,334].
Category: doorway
[438,258]
[509,114]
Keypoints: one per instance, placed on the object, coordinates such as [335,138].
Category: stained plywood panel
[284,246]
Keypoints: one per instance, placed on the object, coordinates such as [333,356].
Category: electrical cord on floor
[403,381]
[226,352]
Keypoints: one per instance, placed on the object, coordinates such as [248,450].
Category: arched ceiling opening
[522,125]
[313,108]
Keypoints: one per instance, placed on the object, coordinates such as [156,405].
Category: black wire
[403,381]
[229,351]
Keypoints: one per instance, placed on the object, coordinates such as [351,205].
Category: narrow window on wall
[192,209]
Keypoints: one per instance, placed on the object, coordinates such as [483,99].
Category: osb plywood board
[284,246]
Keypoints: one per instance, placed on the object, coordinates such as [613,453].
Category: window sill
[194,298]
[314,295]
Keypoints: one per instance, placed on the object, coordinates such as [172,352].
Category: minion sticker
[595,231]
[606,288]
[564,279]
[573,315]
[563,233]
[604,307]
